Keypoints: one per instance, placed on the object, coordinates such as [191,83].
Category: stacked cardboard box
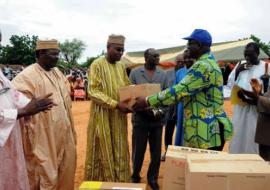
[97,185]
[133,91]
[227,172]
[175,165]
[196,169]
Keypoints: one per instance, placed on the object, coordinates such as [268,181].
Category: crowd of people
[37,134]
[78,84]
[11,73]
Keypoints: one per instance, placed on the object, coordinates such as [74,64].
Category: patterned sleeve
[94,90]
[196,79]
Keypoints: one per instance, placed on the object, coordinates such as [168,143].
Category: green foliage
[89,60]
[20,51]
[71,51]
[63,66]
[265,47]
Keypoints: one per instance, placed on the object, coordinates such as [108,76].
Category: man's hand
[123,106]
[248,96]
[240,68]
[158,113]
[140,104]
[256,86]
[36,105]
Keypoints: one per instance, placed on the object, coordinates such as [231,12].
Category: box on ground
[133,91]
[227,172]
[175,164]
[97,185]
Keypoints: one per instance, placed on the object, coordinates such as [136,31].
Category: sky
[144,23]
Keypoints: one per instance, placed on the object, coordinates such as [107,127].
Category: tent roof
[224,51]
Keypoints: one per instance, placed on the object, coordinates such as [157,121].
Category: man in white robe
[14,105]
[245,117]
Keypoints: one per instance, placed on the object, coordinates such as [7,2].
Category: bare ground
[81,116]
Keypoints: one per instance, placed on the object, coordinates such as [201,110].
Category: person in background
[187,62]
[79,89]
[171,116]
[8,72]
[262,102]
[71,81]
[147,125]
[226,69]
[206,125]
[244,118]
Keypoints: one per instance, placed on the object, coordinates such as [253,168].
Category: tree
[20,51]
[265,47]
[71,51]
[63,66]
[89,60]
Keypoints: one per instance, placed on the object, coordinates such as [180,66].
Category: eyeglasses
[4,90]
[193,42]
[120,49]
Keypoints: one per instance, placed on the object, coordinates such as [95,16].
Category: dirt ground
[81,116]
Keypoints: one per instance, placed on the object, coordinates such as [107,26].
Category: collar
[206,56]
[143,69]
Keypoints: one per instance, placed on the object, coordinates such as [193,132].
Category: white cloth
[13,174]
[245,117]
[9,121]
[9,102]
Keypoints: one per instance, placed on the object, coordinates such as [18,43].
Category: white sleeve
[19,99]
[227,89]
[231,79]
[8,119]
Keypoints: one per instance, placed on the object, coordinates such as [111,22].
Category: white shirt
[10,101]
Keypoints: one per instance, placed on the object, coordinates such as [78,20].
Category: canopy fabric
[224,51]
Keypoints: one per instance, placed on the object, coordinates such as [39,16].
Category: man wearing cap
[14,105]
[48,138]
[205,124]
[245,117]
[180,74]
[107,155]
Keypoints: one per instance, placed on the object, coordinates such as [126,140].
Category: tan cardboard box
[175,164]
[134,91]
[97,185]
[227,172]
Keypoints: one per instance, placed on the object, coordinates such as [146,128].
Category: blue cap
[202,36]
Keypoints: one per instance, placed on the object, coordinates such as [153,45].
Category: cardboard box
[227,172]
[175,165]
[133,91]
[97,185]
